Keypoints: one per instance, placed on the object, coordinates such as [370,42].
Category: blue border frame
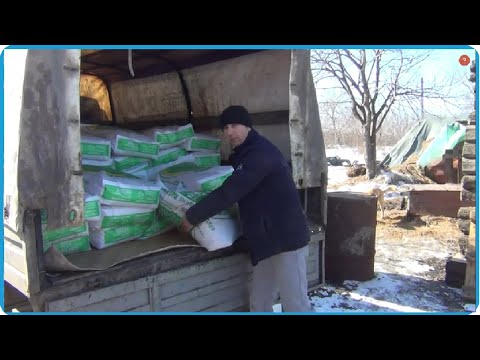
[477,74]
[239,47]
[2,185]
[289,47]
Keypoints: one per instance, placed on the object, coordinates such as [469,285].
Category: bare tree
[374,80]
[334,115]
[397,125]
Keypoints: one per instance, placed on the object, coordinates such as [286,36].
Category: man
[273,222]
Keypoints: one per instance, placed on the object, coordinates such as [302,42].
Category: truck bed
[176,280]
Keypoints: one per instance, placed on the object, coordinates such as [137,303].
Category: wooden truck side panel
[220,284]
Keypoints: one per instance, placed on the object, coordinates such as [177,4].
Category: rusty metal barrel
[350,236]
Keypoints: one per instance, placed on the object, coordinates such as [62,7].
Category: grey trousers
[285,273]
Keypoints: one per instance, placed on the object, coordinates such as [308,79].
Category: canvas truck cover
[42,118]
[265,82]
[42,136]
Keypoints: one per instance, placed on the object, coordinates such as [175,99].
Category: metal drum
[350,236]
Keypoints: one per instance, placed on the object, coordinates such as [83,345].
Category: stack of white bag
[71,239]
[123,167]
[217,232]
[96,153]
[189,178]
[129,202]
[67,240]
[124,142]
[128,209]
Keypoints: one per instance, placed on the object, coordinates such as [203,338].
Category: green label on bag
[179,168]
[134,146]
[207,161]
[127,220]
[135,196]
[70,246]
[205,144]
[95,149]
[115,173]
[157,226]
[96,168]
[52,235]
[91,209]
[171,156]
[169,138]
[169,215]
[140,168]
[121,233]
[130,162]
[185,133]
[214,183]
[195,196]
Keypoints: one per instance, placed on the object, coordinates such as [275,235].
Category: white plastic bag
[131,164]
[102,238]
[159,226]
[202,142]
[119,191]
[126,142]
[207,159]
[96,165]
[180,165]
[168,136]
[92,207]
[215,233]
[116,216]
[95,148]
[205,180]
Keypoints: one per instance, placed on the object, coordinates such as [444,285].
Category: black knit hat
[235,114]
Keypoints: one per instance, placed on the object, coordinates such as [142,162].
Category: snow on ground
[354,154]
[338,174]
[404,280]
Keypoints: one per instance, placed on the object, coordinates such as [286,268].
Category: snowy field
[401,283]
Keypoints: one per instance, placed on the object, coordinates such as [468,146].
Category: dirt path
[410,259]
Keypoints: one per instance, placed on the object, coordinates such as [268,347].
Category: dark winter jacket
[271,214]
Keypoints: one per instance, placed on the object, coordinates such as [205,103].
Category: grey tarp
[411,142]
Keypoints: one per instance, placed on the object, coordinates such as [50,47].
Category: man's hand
[185,225]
